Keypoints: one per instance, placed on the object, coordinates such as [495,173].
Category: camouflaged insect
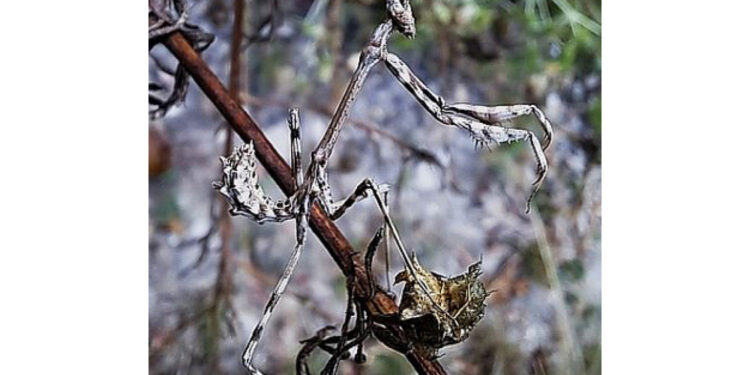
[448,310]
[461,299]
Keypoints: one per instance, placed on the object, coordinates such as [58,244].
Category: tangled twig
[168,17]
[348,338]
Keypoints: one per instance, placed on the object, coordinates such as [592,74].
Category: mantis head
[400,13]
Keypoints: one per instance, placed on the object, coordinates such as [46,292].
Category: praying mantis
[239,183]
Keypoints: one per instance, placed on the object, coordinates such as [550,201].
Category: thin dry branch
[330,236]
[224,286]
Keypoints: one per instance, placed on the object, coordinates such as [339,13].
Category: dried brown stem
[333,28]
[223,287]
[330,236]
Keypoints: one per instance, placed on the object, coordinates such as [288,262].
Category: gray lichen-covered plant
[435,311]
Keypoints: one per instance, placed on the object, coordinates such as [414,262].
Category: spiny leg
[335,210]
[362,190]
[303,213]
[370,56]
[372,248]
[501,113]
[278,291]
[470,118]
[296,147]
[435,104]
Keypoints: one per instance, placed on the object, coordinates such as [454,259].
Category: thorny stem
[330,236]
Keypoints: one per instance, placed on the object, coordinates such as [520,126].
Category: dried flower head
[460,306]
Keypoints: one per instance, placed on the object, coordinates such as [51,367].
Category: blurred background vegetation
[452,202]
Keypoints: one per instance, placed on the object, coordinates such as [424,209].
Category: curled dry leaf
[460,298]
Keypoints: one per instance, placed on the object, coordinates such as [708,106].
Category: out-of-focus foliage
[542,318]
